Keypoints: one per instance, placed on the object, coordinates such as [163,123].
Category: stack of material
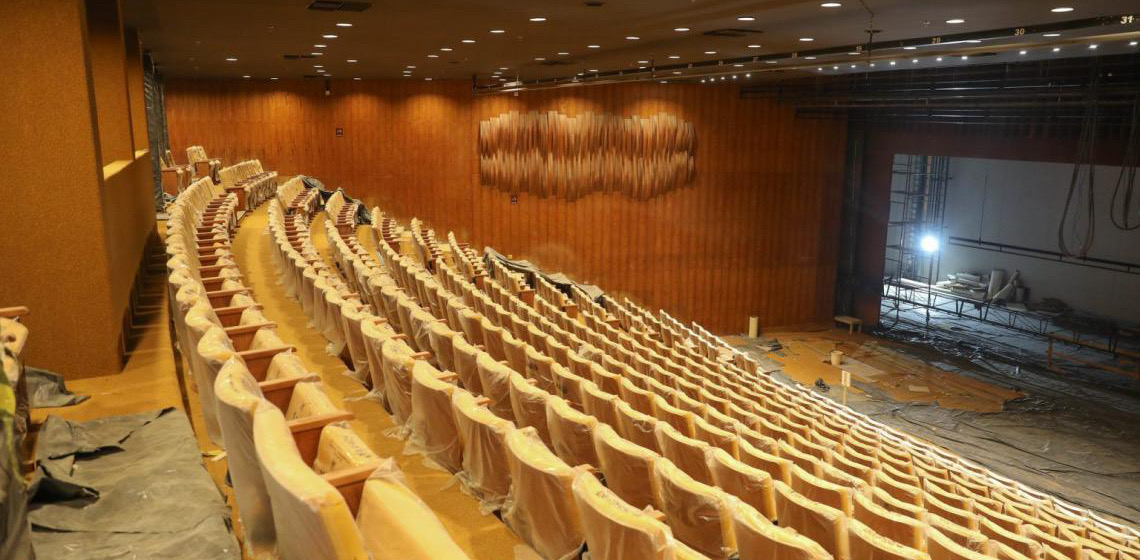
[966,284]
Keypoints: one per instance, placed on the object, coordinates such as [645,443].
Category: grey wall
[1021,203]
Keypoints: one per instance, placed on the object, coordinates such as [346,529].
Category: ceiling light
[664,82]
[909,48]
[820,69]
[1051,35]
[1132,44]
[753,46]
[632,38]
[356,78]
[939,59]
[702,80]
[497,31]
[593,46]
[806,39]
[965,57]
[446,49]
[734,76]
[680,29]
[955,21]
[855,53]
[351,61]
[676,71]
[852,65]
[748,75]
[319,46]
[643,62]
[433,56]
[1022,52]
[746,18]
[1056,49]
[1061,9]
[973,40]
[1093,47]
[563,53]
[246,76]
[914,61]
[809,58]
[502,68]
[315,53]
[738,65]
[710,52]
[329,36]
[892,63]
[343,24]
[537,19]
[595,70]
[274,79]
[722,78]
[467,41]
[539,58]
[411,66]
[427,79]
[772,61]
[835,68]
[318,66]
[872,65]
[830,5]
[231,59]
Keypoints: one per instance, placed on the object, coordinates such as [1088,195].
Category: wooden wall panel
[755,234]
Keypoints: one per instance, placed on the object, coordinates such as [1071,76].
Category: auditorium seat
[698,514]
[867,544]
[617,530]
[941,547]
[821,491]
[899,528]
[495,383]
[638,428]
[432,424]
[483,434]
[529,406]
[750,485]
[571,433]
[757,538]
[685,452]
[397,525]
[628,467]
[822,524]
[396,360]
[540,507]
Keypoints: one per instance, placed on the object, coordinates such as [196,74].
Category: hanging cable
[1083,178]
[1120,213]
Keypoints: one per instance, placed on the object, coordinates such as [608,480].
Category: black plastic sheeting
[126,487]
[363,215]
[155,101]
[560,281]
[47,389]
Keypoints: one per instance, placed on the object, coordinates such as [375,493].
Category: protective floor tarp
[47,389]
[560,280]
[127,487]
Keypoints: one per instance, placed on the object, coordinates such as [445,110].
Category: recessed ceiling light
[1022,52]
[1132,44]
[676,71]
[537,19]
[592,70]
[680,29]
[909,48]
[231,59]
[445,49]
[1056,49]
[356,78]
[329,36]
[852,65]
[830,5]
[939,59]
[1051,35]
[1061,9]
[965,57]
[539,58]
[806,39]
[497,31]
[433,56]
[318,66]
[1093,47]
[427,79]
[746,18]
[593,46]
[319,46]
[467,41]
[914,61]
[738,66]
[809,58]
[820,69]
[772,61]
[351,61]
[955,21]
[344,24]
[273,79]
[674,56]
[411,67]
[710,52]
[855,53]
[872,65]
[246,76]
[315,53]
[748,75]
[835,68]
[563,53]
[753,46]
[643,62]
[632,38]
[502,68]
[892,63]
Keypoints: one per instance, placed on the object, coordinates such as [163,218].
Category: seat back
[398,525]
[529,405]
[628,467]
[698,514]
[688,454]
[616,530]
[541,491]
[483,434]
[758,539]
[571,433]
[866,543]
[822,524]
[396,361]
[495,380]
[432,422]
[748,484]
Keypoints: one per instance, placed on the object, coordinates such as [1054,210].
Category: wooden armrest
[280,391]
[242,335]
[15,311]
[448,376]
[231,316]
[257,361]
[350,483]
[421,355]
[482,401]
[307,431]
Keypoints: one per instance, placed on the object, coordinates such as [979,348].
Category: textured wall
[755,234]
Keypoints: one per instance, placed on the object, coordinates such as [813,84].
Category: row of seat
[252,183]
[295,197]
[294,463]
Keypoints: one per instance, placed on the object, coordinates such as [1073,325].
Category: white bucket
[836,358]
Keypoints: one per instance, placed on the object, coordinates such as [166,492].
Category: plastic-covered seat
[899,528]
[681,420]
[398,525]
[495,380]
[538,368]
[822,524]
[748,484]
[822,491]
[213,350]
[688,454]
[637,427]
[529,405]
[341,448]
[697,513]
[483,434]
[599,404]
[571,433]
[440,338]
[465,364]
[866,543]
[628,467]
[397,360]
[941,547]
[758,539]
[617,530]
[568,385]
[541,507]
[312,518]
[432,422]
[375,333]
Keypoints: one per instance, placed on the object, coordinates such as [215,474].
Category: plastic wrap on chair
[341,448]
[822,491]
[440,338]
[529,405]
[432,423]
[899,528]
[352,320]
[312,519]
[568,385]
[779,467]
[688,454]
[538,368]
[540,507]
[758,539]
[637,427]
[483,434]
[286,365]
[599,404]
[748,484]
[465,359]
[614,529]
[697,513]
[628,468]
[375,334]
[213,351]
[309,399]
[396,362]
[962,536]
[866,543]
[824,525]
[421,322]
[238,397]
[571,433]
[495,380]
[397,524]
[942,547]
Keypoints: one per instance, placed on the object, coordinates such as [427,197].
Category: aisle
[483,537]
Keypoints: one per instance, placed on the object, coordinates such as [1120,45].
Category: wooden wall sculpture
[551,154]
